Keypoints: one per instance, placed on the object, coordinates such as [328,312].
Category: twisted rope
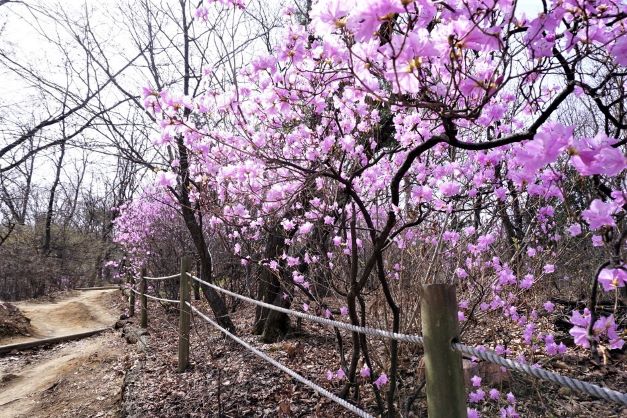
[174,276]
[353,328]
[574,384]
[322,391]
[156,298]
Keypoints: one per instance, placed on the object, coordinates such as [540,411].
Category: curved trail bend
[74,379]
[83,312]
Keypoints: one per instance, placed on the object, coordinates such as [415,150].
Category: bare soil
[13,322]
[77,312]
[74,379]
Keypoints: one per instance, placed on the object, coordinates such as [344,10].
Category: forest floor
[72,379]
[225,380]
[103,376]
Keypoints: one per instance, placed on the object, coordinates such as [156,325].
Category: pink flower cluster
[394,126]
[604,328]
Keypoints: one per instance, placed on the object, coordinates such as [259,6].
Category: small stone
[564,391]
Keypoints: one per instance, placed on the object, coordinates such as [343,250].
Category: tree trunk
[195,284]
[215,300]
[271,325]
[189,214]
[49,212]
[27,189]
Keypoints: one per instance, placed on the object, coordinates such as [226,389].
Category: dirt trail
[75,379]
[84,312]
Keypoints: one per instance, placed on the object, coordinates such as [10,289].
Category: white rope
[354,328]
[156,298]
[174,276]
[574,384]
[322,391]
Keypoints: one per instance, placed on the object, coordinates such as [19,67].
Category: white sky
[29,46]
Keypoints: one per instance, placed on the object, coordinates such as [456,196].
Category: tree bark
[189,214]
[49,212]
[271,325]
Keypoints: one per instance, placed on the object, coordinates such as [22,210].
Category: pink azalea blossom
[604,327]
[472,413]
[328,16]
[165,179]
[600,214]
[612,279]
[509,412]
[477,396]
[544,148]
[619,50]
[597,156]
[382,380]
[450,188]
[549,306]
[494,394]
[305,228]
[461,273]
[574,230]
[288,224]
[527,282]
[366,18]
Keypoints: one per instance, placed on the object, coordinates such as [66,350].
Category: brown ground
[84,378]
[12,321]
[225,380]
[78,312]
[75,379]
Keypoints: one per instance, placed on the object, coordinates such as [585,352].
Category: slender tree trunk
[215,300]
[27,188]
[272,325]
[49,212]
[77,190]
[195,284]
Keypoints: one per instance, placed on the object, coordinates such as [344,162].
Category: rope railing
[319,389]
[173,276]
[154,297]
[569,382]
[324,321]
[487,355]
[574,384]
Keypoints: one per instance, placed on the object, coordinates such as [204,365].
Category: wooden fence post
[144,300]
[446,392]
[131,296]
[184,315]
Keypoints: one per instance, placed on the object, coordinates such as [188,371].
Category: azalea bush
[387,144]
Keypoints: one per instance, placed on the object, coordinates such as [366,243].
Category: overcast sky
[20,34]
